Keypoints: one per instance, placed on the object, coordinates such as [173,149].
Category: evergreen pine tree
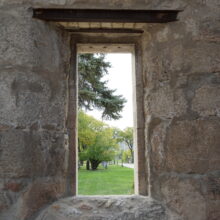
[93,91]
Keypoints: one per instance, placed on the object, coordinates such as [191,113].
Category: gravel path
[129,165]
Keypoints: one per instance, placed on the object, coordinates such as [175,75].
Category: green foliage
[126,156]
[126,136]
[96,140]
[93,92]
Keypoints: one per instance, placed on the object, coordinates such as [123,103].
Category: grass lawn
[115,180]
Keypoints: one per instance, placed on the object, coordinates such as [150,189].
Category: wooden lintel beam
[99,15]
[105,30]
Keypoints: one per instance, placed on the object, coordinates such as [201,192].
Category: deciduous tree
[126,136]
[96,140]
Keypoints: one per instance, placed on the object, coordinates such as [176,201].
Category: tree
[96,140]
[126,136]
[93,92]
[126,156]
[86,135]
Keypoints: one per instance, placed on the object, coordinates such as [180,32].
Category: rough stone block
[31,154]
[201,58]
[10,192]
[35,194]
[207,101]
[111,208]
[165,103]
[212,183]
[28,100]
[40,193]
[30,43]
[185,146]
[183,197]
[193,146]
[113,4]
[189,196]
[213,210]
[158,148]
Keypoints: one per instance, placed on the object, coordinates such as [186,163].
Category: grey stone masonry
[104,208]
[178,103]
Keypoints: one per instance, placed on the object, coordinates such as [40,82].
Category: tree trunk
[132,155]
[94,164]
[87,165]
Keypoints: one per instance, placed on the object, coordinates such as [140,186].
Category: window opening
[105,128]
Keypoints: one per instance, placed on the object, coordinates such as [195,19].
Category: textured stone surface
[111,208]
[188,152]
[165,102]
[19,87]
[182,195]
[34,58]
[139,4]
[21,198]
[198,194]
[176,147]
[181,76]
[206,101]
[31,154]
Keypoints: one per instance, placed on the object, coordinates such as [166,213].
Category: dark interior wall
[34,62]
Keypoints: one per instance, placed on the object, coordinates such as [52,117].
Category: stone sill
[114,207]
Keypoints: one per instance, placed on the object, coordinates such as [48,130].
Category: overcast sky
[120,78]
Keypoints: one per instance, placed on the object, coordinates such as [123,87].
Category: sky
[119,78]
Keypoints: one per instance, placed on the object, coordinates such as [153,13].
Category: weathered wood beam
[99,15]
[105,30]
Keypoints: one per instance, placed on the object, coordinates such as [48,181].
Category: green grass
[115,180]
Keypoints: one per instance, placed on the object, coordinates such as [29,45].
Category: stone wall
[182,108]
[105,207]
[181,75]
[34,59]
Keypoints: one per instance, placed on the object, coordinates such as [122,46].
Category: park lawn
[115,180]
